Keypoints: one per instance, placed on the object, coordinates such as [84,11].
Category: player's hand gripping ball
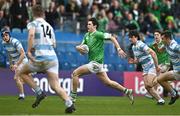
[85,48]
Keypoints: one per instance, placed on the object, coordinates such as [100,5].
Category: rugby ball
[86,48]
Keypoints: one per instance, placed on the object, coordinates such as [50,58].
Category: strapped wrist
[118,49]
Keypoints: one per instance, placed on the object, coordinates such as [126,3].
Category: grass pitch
[52,105]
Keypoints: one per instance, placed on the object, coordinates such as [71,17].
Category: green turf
[9,105]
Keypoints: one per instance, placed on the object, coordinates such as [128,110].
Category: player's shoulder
[174,44]
[99,33]
[32,24]
[140,43]
[14,39]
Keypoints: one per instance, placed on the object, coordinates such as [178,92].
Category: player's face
[6,37]
[90,26]
[133,39]
[157,37]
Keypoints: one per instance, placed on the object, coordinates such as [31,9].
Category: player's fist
[83,49]
[13,67]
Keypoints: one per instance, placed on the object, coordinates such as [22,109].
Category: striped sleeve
[177,48]
[144,47]
[16,43]
[31,25]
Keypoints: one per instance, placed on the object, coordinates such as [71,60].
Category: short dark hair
[167,34]
[37,11]
[94,21]
[159,31]
[134,33]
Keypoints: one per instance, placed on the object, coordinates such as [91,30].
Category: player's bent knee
[155,81]
[75,74]
[54,87]
[17,80]
[108,83]
[148,86]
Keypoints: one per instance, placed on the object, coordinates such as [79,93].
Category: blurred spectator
[143,24]
[52,16]
[155,10]
[72,8]
[177,20]
[153,23]
[61,7]
[135,11]
[45,4]
[90,2]
[116,10]
[175,8]
[3,20]
[98,1]
[171,24]
[5,7]
[83,14]
[176,13]
[102,20]
[30,3]
[84,10]
[143,5]
[131,24]
[127,4]
[148,14]
[165,11]
[19,14]
[112,26]
[94,10]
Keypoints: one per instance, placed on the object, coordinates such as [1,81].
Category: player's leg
[105,79]
[150,82]
[147,95]
[164,68]
[54,83]
[163,80]
[27,78]
[19,85]
[53,79]
[82,70]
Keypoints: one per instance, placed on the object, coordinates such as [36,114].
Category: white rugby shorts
[95,67]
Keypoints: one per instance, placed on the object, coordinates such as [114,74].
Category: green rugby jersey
[95,42]
[163,57]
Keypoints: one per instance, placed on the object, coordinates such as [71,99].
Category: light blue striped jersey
[140,51]
[13,48]
[44,40]
[174,53]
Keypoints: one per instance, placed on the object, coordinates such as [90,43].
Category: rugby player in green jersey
[163,57]
[95,42]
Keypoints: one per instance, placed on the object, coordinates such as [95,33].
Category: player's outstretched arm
[119,50]
[154,56]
